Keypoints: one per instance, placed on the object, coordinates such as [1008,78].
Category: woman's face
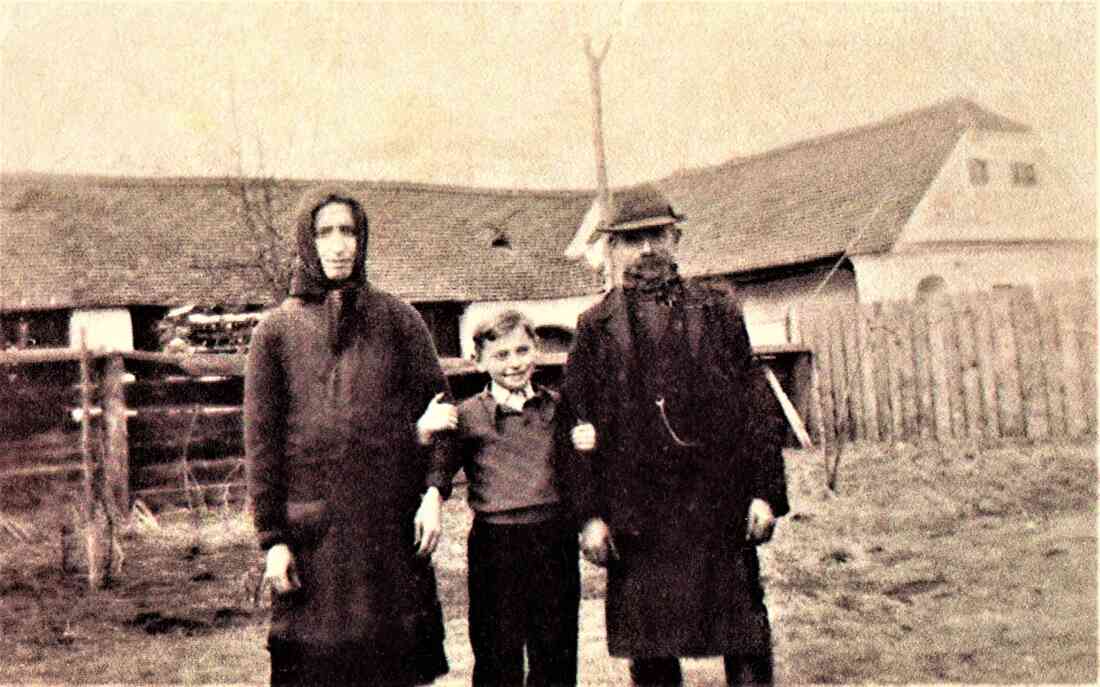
[337,243]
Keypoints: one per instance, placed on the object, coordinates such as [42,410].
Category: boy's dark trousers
[524,591]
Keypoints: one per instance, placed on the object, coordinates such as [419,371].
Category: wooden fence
[1005,364]
[1010,363]
[169,427]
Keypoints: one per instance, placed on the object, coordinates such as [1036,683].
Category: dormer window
[500,240]
[1023,174]
[979,171]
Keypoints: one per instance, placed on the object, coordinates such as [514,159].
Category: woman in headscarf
[344,493]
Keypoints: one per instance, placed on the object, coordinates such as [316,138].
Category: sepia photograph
[548,343]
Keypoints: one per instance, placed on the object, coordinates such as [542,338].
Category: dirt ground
[928,565]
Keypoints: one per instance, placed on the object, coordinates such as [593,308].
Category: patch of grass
[930,564]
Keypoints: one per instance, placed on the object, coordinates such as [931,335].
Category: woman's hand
[428,523]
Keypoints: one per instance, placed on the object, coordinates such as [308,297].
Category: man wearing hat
[686,477]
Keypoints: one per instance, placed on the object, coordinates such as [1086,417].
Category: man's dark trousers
[665,672]
[524,591]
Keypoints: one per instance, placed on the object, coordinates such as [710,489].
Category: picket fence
[1009,363]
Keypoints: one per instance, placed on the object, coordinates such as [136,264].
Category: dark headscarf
[309,281]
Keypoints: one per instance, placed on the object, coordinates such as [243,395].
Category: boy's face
[510,360]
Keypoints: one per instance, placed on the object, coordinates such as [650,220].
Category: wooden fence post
[849,325]
[823,376]
[987,370]
[907,371]
[970,377]
[895,368]
[1032,385]
[1072,370]
[116,465]
[938,313]
[1009,402]
[868,368]
[98,519]
[1051,357]
[835,335]
[922,371]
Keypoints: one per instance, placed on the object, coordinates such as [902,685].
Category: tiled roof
[71,241]
[855,189]
[92,241]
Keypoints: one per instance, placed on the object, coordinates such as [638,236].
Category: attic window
[500,240]
[1023,174]
[979,171]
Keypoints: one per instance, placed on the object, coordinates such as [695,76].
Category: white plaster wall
[766,304]
[972,268]
[107,329]
[956,210]
[556,312]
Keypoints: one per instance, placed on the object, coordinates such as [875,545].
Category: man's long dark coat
[688,433]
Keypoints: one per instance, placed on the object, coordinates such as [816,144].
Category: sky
[498,94]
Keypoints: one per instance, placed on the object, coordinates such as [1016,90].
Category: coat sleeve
[264,434]
[581,476]
[424,379]
[760,416]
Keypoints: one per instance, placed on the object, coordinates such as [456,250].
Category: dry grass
[930,564]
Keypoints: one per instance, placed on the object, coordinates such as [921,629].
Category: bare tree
[272,253]
[256,196]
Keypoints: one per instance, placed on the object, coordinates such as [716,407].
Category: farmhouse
[950,197]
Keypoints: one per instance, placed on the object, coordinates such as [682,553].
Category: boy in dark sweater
[523,565]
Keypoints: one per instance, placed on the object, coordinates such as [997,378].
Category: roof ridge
[145,181]
[957,105]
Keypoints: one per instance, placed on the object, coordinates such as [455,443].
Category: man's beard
[650,273]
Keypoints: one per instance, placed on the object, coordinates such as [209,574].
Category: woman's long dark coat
[335,472]
[685,583]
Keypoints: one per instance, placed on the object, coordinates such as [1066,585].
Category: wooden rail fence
[1010,363]
[169,427]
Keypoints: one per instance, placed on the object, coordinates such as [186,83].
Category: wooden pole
[789,411]
[603,190]
[88,505]
[87,460]
[98,523]
[117,461]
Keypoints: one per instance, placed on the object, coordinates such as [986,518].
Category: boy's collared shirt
[511,399]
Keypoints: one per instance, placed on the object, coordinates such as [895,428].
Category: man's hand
[281,571]
[596,543]
[761,522]
[437,417]
[428,523]
[584,437]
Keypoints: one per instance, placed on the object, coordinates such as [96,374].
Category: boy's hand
[584,437]
[281,571]
[596,543]
[761,522]
[428,523]
[438,417]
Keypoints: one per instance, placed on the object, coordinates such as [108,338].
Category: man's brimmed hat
[641,207]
